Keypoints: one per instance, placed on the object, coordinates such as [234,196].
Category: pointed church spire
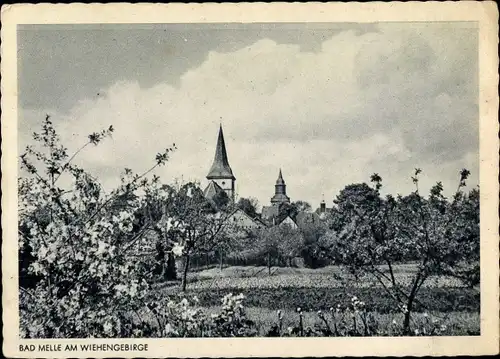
[280,191]
[280,179]
[220,167]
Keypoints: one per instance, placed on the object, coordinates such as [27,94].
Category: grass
[456,323]
[438,299]
[319,289]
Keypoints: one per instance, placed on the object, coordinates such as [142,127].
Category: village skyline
[318,101]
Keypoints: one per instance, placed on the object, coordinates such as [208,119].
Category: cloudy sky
[328,103]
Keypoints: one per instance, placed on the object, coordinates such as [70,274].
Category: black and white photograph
[248,179]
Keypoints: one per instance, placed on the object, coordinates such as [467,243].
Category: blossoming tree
[370,234]
[84,282]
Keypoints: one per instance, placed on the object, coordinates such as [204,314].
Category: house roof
[269,212]
[303,218]
[284,218]
[256,220]
[212,189]
[220,167]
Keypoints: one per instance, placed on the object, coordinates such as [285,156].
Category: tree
[221,200]
[193,225]
[278,243]
[311,251]
[248,205]
[267,244]
[370,234]
[81,243]
[290,243]
[302,206]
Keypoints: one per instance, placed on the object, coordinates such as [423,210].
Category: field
[442,300]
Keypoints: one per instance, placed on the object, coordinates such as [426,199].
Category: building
[323,211]
[242,220]
[287,221]
[303,219]
[222,179]
[272,214]
[220,176]
[280,192]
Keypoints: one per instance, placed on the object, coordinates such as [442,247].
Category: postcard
[256,180]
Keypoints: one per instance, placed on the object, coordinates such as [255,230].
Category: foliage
[302,206]
[221,200]
[88,257]
[351,318]
[312,234]
[278,243]
[192,224]
[442,236]
[81,241]
[311,298]
[248,205]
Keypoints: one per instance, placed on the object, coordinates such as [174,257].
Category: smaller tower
[280,191]
[322,205]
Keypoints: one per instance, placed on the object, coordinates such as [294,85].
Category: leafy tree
[221,200]
[248,205]
[311,251]
[278,243]
[290,244]
[302,206]
[369,234]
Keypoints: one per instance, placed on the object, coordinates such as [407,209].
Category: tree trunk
[409,305]
[406,323]
[185,272]
[221,261]
[170,271]
[269,263]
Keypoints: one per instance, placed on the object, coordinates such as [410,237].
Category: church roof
[280,179]
[220,167]
[212,189]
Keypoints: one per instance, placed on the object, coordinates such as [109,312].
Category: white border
[485,13]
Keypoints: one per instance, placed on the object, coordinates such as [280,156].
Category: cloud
[385,102]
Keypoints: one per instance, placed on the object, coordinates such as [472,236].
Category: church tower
[280,191]
[220,174]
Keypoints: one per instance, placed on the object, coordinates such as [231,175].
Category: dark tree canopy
[248,205]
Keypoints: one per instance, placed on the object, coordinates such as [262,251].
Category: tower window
[223,183]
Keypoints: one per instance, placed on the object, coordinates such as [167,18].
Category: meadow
[443,302]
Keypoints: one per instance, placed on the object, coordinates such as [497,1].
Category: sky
[329,104]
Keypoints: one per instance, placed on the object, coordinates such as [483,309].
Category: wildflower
[416,332]
[177,250]
[425,315]
[299,310]
[108,327]
[443,328]
[394,322]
